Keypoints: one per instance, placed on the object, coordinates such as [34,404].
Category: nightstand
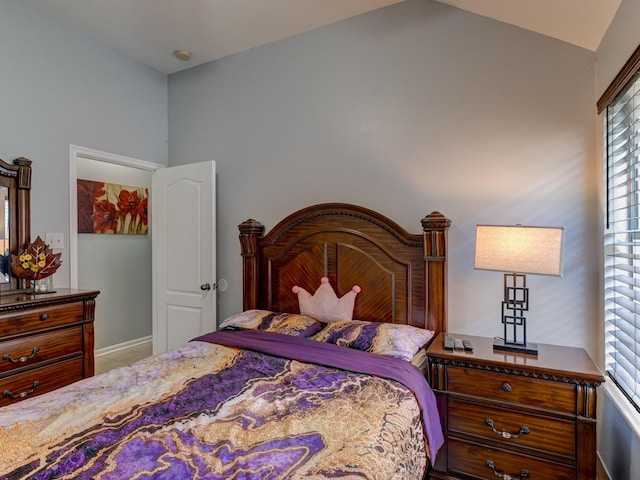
[515,416]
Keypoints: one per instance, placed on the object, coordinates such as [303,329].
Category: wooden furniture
[15,193]
[402,275]
[46,342]
[511,415]
[349,245]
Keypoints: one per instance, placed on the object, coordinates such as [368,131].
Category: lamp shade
[519,249]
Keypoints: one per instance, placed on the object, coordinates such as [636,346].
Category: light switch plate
[55,241]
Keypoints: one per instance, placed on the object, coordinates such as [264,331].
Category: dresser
[515,416]
[46,341]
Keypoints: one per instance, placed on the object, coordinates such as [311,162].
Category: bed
[275,393]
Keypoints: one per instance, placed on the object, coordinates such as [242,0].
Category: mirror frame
[17,178]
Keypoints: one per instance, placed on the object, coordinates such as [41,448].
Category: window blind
[622,241]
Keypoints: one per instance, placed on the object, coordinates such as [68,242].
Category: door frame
[76,152]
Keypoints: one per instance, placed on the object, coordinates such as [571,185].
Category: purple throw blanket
[304,350]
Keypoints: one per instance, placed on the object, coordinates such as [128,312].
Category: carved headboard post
[435,227]
[250,230]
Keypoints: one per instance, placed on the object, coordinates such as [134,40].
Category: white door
[183,253]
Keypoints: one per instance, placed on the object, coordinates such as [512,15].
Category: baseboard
[601,470]
[122,346]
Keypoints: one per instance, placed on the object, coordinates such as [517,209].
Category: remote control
[459,344]
[467,345]
[448,342]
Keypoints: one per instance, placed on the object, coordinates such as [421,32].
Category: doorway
[117,265]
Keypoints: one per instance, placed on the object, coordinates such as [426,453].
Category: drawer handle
[506,476]
[44,316]
[506,387]
[7,356]
[7,393]
[504,434]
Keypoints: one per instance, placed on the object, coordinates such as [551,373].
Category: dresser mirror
[4,235]
[15,218]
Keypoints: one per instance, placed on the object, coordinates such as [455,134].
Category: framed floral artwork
[110,208]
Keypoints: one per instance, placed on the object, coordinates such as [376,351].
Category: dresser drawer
[520,429]
[22,352]
[479,461]
[40,380]
[40,318]
[510,388]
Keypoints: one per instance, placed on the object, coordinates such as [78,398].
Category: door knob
[205,286]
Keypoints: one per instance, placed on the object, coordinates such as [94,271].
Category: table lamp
[518,250]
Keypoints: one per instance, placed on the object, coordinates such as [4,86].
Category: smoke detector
[184,55]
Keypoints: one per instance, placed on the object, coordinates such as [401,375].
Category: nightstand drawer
[485,462]
[520,429]
[40,380]
[41,318]
[26,351]
[510,388]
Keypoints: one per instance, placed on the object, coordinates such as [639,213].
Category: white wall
[57,88]
[411,108]
[619,442]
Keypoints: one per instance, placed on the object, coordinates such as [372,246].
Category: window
[622,233]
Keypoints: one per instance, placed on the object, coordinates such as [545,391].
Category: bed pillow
[387,339]
[285,323]
[324,305]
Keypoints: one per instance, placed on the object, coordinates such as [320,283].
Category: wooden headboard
[403,276]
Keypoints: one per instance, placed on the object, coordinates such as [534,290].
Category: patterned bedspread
[211,411]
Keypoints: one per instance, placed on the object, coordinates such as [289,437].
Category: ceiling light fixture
[184,55]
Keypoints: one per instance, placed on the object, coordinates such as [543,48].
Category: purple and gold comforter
[232,405]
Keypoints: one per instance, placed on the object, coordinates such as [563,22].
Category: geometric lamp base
[531,348]
[514,321]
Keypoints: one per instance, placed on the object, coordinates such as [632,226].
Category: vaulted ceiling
[151,30]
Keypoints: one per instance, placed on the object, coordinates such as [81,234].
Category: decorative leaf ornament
[36,262]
